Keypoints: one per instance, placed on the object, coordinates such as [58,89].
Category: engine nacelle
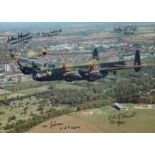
[72,77]
[41,77]
[26,70]
[94,76]
[104,73]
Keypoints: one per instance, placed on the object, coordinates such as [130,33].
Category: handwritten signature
[69,127]
[53,124]
[121,118]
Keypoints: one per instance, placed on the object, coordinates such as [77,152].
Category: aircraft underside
[75,76]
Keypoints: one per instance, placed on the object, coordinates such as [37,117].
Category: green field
[97,120]
[143,121]
[31,91]
[65,85]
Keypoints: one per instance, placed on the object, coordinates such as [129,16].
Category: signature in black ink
[121,118]
[69,127]
[53,124]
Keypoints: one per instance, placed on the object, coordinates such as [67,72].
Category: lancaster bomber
[46,70]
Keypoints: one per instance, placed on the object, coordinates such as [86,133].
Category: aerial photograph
[77,77]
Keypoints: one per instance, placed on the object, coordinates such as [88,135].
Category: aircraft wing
[30,61]
[111,69]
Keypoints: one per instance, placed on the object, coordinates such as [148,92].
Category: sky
[51,25]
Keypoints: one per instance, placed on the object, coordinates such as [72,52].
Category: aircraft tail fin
[95,54]
[137,61]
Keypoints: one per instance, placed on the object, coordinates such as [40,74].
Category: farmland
[97,120]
